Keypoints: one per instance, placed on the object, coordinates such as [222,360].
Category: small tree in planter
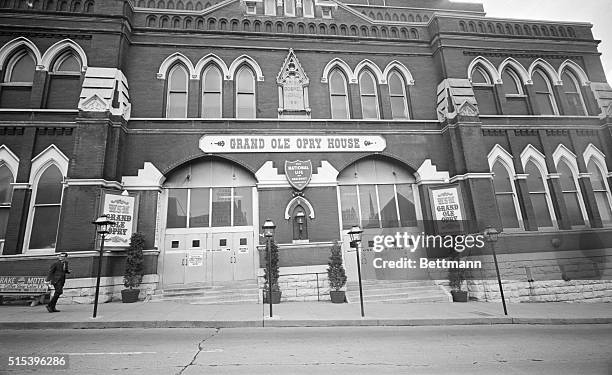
[133,268]
[336,274]
[456,277]
[274,274]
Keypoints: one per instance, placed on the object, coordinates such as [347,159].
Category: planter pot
[276,297]
[459,295]
[337,296]
[129,295]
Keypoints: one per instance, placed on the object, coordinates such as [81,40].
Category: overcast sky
[597,12]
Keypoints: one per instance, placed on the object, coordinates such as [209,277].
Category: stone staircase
[397,291]
[229,292]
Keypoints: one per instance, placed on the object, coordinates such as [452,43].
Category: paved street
[500,349]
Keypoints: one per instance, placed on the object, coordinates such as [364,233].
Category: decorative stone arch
[299,201]
[60,47]
[592,152]
[547,68]
[244,60]
[11,47]
[487,66]
[400,68]
[517,67]
[8,158]
[338,63]
[532,153]
[363,64]
[576,69]
[211,58]
[384,156]
[498,153]
[564,153]
[165,66]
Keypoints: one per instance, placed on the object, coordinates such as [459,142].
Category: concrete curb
[271,323]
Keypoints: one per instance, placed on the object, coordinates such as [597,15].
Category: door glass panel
[221,207]
[243,206]
[369,206]
[388,209]
[199,214]
[350,208]
[177,208]
[405,200]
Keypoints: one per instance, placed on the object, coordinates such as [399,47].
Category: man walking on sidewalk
[57,277]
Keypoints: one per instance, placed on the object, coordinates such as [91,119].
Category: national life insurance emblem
[298,173]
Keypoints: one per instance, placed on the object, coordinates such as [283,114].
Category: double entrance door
[207,257]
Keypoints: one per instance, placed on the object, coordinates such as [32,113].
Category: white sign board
[446,205]
[292,143]
[120,209]
[195,260]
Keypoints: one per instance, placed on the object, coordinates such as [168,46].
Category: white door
[242,248]
[174,260]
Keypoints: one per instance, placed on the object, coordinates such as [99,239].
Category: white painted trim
[7,50]
[299,201]
[214,59]
[498,153]
[531,153]
[148,178]
[468,176]
[20,185]
[488,67]
[591,151]
[427,173]
[548,69]
[60,47]
[8,158]
[517,67]
[365,63]
[248,60]
[400,68]
[170,60]
[521,176]
[563,153]
[340,64]
[576,69]
[92,182]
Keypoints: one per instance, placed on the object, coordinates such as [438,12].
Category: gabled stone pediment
[292,68]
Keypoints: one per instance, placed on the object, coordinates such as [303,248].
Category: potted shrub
[133,268]
[336,274]
[456,277]
[273,277]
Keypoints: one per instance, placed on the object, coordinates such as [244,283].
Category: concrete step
[244,291]
[389,283]
[401,300]
[397,291]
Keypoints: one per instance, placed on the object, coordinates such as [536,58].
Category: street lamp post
[102,223]
[355,235]
[491,235]
[268,231]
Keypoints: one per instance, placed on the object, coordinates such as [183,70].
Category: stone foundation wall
[83,291]
[300,287]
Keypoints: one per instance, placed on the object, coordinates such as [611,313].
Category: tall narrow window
[505,197]
[245,93]
[47,204]
[544,96]
[512,83]
[573,94]
[397,93]
[64,82]
[338,94]
[6,195]
[571,194]
[211,95]
[516,100]
[290,8]
[602,193]
[539,195]
[177,92]
[270,7]
[484,91]
[308,8]
[369,97]
[17,81]
[20,69]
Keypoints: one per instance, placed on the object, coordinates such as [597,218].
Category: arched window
[64,82]
[308,8]
[270,7]
[300,223]
[47,198]
[176,106]
[369,96]
[516,100]
[505,196]
[544,94]
[290,8]
[483,91]
[602,192]
[245,93]
[17,81]
[571,88]
[398,97]
[538,193]
[338,95]
[212,92]
[376,193]
[571,194]
[512,83]
[6,195]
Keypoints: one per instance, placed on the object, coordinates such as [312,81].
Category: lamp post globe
[355,233]
[102,227]
[491,234]
[268,228]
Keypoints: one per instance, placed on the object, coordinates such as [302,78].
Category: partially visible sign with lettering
[447,209]
[292,143]
[22,284]
[195,260]
[298,173]
[120,209]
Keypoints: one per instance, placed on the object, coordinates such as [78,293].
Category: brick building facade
[193,108]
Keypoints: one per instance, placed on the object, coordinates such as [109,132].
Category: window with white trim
[505,196]
[212,92]
[6,196]
[483,91]
[571,88]
[571,194]
[64,86]
[17,80]
[369,95]
[603,198]
[398,97]
[338,95]
[512,83]
[47,196]
[544,93]
[290,8]
[308,8]
[270,7]
[538,193]
[245,93]
[178,83]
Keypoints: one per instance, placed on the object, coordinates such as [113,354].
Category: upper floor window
[398,97]
[571,88]
[538,193]
[571,194]
[6,195]
[602,192]
[484,91]
[308,8]
[64,82]
[176,106]
[290,8]
[20,68]
[369,97]
[245,93]
[270,7]
[339,95]
[507,203]
[544,94]
[512,83]
[212,92]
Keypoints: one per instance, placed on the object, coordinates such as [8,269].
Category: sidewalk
[300,314]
